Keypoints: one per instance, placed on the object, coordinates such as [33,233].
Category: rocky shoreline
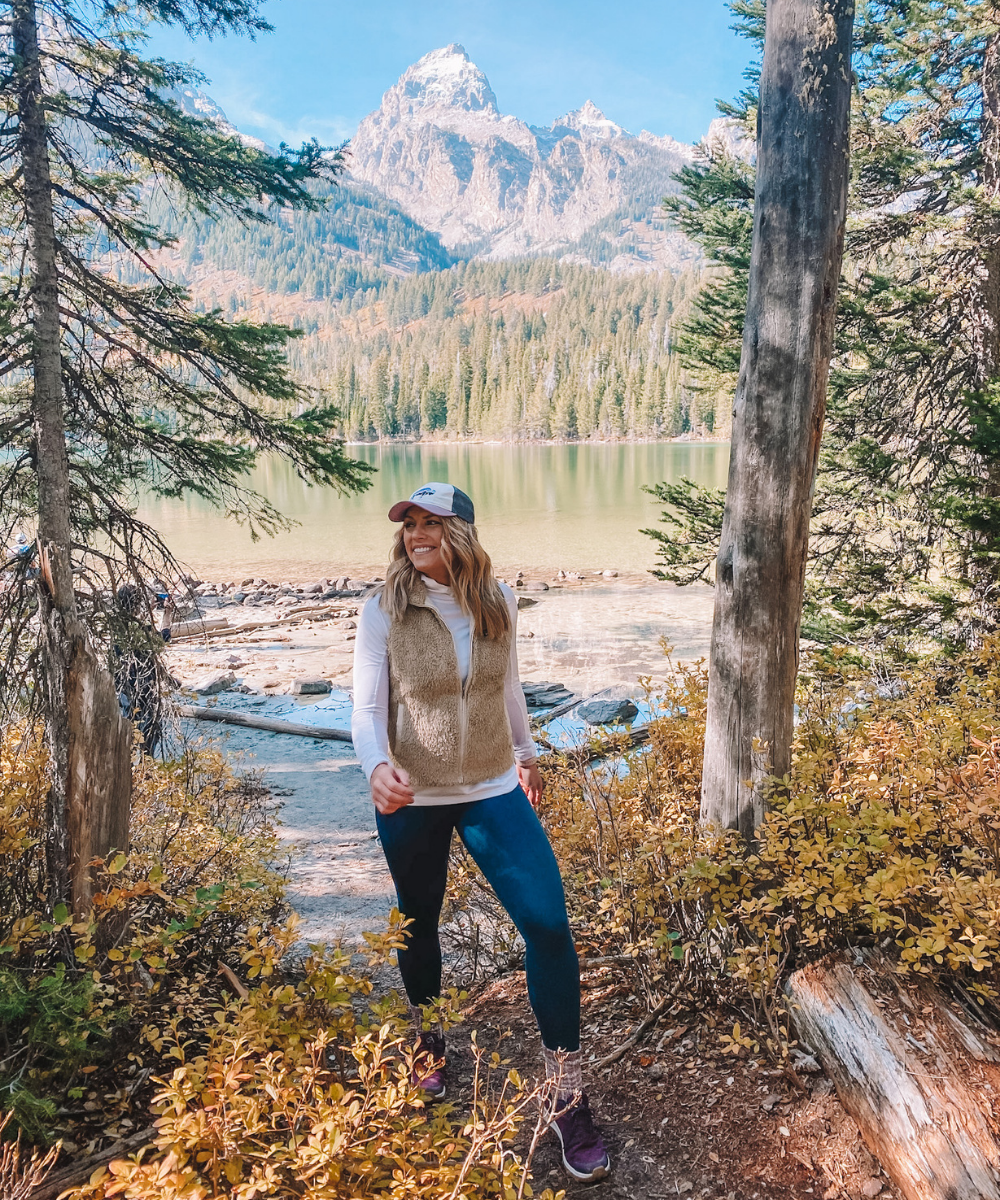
[297,638]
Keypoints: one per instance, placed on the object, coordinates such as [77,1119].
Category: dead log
[293,618]
[199,625]
[269,725]
[917,1071]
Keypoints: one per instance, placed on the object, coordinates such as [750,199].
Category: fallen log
[252,626]
[80,1170]
[226,716]
[919,1074]
[595,751]
[198,626]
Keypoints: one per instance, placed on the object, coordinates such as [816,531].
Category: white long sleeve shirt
[370,719]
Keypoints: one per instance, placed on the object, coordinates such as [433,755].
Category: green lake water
[575,507]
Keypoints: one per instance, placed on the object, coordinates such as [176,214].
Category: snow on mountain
[198,104]
[494,186]
[726,136]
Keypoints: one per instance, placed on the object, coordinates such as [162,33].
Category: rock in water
[544,695]
[525,602]
[211,685]
[311,687]
[607,712]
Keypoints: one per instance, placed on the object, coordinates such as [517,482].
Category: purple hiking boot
[583,1152]
[428,1064]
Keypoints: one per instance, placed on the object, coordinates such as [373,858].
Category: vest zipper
[462,721]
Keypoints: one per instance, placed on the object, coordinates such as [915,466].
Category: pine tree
[906,523]
[112,383]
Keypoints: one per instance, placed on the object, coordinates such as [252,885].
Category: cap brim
[402,507]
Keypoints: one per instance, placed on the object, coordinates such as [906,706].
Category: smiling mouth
[422,549]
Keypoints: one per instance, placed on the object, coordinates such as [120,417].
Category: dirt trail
[340,886]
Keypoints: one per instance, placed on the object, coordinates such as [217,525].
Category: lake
[538,508]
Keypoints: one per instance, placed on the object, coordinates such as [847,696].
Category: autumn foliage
[887,831]
[280,1073]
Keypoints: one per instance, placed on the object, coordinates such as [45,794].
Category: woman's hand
[390,788]
[530,779]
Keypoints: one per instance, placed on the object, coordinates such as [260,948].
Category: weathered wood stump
[919,1074]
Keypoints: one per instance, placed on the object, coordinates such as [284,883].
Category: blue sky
[650,65]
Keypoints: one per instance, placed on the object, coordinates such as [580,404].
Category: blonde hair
[470,574]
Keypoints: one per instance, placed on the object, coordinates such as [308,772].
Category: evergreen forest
[407,342]
[512,350]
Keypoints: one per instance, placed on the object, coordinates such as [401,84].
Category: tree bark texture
[89,740]
[990,177]
[917,1073]
[799,214]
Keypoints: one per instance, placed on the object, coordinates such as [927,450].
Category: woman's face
[423,533]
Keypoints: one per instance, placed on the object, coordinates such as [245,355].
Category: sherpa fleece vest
[440,732]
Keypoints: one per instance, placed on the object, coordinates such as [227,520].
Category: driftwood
[227,717]
[80,1170]
[919,1075]
[595,751]
[291,618]
[198,626]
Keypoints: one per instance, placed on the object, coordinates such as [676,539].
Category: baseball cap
[442,499]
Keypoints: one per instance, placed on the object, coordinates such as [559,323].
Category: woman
[441,729]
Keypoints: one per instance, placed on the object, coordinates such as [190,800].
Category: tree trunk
[799,214]
[990,144]
[89,740]
[920,1077]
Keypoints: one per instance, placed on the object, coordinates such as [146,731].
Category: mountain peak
[589,119]
[446,78]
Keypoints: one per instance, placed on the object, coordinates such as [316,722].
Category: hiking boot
[583,1152]
[428,1063]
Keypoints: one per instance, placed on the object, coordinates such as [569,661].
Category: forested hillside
[526,349]
[353,245]
[533,348]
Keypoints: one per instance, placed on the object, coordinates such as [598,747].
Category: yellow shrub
[303,1085]
[298,1090]
[887,830]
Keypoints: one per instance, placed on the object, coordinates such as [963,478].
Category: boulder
[313,589]
[607,712]
[525,602]
[610,574]
[211,685]
[544,695]
[535,585]
[311,687]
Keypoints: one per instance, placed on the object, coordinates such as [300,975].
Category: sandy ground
[586,637]
[340,886]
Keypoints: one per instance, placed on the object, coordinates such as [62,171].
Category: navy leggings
[505,838]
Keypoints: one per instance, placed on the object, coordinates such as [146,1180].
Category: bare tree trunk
[990,143]
[89,741]
[799,214]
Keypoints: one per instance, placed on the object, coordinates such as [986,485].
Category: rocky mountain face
[495,187]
